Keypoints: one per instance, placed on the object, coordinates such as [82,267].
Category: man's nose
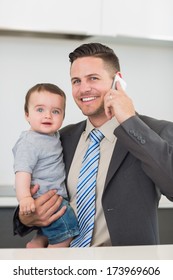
[85,87]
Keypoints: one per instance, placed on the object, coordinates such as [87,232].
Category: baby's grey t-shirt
[41,156]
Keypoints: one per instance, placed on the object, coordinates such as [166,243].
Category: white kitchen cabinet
[52,16]
[148,19]
[127,19]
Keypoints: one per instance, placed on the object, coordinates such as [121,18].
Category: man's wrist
[19,228]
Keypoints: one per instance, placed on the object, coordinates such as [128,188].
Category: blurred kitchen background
[36,37]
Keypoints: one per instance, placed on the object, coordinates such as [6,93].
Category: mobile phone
[122,82]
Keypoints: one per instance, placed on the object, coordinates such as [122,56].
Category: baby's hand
[27,205]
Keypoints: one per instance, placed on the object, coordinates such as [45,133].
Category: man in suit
[136,161]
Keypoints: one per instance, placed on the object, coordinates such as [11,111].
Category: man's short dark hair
[96,50]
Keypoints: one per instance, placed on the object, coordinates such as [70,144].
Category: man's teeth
[88,99]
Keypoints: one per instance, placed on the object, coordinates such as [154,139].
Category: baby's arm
[23,193]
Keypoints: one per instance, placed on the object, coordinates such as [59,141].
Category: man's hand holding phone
[117,102]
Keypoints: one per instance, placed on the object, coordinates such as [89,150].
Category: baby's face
[45,112]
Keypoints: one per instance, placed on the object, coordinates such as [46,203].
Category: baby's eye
[40,110]
[55,112]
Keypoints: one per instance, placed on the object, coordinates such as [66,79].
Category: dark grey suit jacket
[141,168]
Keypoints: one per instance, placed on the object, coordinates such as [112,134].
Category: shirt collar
[107,129]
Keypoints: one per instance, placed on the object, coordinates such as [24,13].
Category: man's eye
[94,78]
[76,82]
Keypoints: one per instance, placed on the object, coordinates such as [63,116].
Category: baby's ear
[27,116]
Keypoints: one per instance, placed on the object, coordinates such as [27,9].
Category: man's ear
[119,74]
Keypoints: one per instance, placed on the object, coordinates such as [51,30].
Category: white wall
[25,61]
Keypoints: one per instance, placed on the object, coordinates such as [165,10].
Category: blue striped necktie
[86,191]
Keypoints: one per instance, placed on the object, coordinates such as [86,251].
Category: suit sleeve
[153,149]
[18,227]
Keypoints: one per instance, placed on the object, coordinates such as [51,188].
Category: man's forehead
[87,66]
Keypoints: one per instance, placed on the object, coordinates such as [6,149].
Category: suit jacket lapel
[118,156]
[70,141]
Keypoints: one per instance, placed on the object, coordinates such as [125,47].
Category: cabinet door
[138,18]
[54,16]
